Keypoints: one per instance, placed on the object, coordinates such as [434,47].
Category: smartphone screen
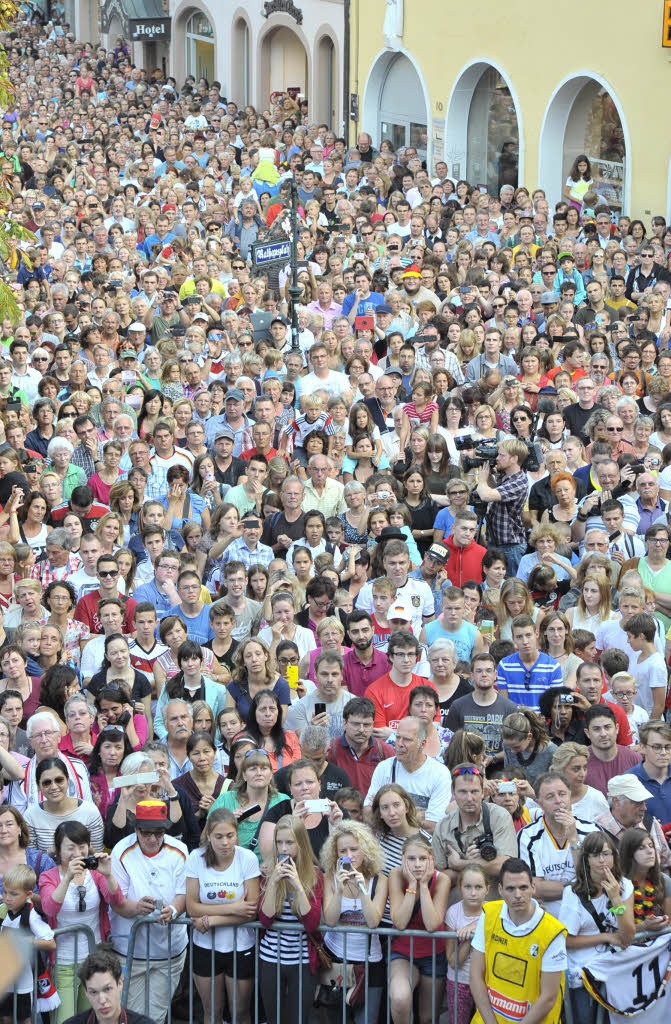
[320,709]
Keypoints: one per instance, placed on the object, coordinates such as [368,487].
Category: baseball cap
[399,610]
[127,353]
[393,371]
[279,320]
[137,326]
[201,316]
[39,205]
[168,206]
[384,308]
[151,814]
[547,298]
[629,786]
[565,256]
[439,551]
[236,394]
[224,432]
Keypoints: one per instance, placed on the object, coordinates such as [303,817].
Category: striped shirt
[287,947]
[42,824]
[525,685]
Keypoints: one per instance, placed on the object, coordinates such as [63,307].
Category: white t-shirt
[40,930]
[223,887]
[455,918]
[548,860]
[430,786]
[554,957]
[416,594]
[590,806]
[579,921]
[649,675]
[610,634]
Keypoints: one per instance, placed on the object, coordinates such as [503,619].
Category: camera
[485,844]
[566,698]
[506,786]
[90,862]
[638,468]
[483,453]
[464,442]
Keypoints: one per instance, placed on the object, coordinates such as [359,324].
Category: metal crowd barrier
[82,933]
[339,1013]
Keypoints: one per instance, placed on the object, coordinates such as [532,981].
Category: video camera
[489,453]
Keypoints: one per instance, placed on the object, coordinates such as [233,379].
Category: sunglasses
[466,769]
[81,893]
[108,573]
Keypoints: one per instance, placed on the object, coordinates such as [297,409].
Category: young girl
[229,724]
[418,901]
[462,918]
[355,892]
[420,411]
[597,910]
[291,890]
[361,422]
[222,888]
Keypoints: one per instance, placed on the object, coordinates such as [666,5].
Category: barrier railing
[81,934]
[151,984]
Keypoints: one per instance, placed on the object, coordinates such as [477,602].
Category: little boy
[623,691]
[17,911]
[584,644]
[349,799]
[335,532]
[312,418]
[343,600]
[649,670]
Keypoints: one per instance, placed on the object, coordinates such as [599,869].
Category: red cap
[151,814]
[412,271]
[168,206]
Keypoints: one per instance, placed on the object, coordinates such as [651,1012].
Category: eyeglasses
[624,696]
[466,769]
[659,748]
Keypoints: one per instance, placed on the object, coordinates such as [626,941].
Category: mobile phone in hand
[320,708]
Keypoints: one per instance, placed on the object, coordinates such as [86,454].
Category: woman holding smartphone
[291,890]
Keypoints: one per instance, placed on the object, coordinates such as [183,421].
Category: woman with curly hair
[355,890]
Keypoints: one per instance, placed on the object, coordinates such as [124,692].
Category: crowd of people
[381,610]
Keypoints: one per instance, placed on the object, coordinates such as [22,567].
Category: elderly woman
[643,428]
[59,454]
[596,428]
[563,487]
[27,594]
[627,409]
[544,539]
[448,683]
[120,816]
[354,520]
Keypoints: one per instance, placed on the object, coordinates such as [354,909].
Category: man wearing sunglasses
[458,837]
[87,611]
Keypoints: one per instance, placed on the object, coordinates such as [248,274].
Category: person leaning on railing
[291,891]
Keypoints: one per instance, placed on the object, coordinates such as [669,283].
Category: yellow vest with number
[513,966]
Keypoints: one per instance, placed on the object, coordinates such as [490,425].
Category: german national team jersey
[143,660]
[633,981]
[546,858]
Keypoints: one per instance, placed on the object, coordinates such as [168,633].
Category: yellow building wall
[537,47]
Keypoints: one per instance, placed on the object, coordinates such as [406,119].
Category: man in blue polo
[654,771]
[528,673]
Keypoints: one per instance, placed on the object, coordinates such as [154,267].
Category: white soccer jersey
[633,981]
[539,848]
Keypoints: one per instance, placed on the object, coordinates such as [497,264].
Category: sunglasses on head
[466,769]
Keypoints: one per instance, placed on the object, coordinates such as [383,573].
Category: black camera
[637,468]
[91,862]
[123,719]
[483,453]
[485,844]
[534,458]
[464,442]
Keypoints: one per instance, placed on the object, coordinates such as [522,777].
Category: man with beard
[363,664]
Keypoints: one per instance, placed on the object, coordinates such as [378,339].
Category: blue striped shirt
[525,685]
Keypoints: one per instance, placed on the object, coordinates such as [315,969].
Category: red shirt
[357,677]
[360,769]
[87,611]
[391,700]
[464,563]
[248,452]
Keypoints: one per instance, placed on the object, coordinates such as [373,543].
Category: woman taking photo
[253,788]
[652,887]
[304,785]
[44,818]
[182,504]
[264,723]
[417,961]
[597,911]
[526,744]
[254,671]
[204,484]
[291,890]
[120,818]
[74,895]
[355,890]
[202,783]
[587,802]
[222,868]
[109,750]
[394,820]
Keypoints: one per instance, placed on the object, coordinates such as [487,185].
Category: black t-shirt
[317,836]
[141,685]
[225,660]
[231,476]
[277,524]
[576,417]
[462,690]
[332,779]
